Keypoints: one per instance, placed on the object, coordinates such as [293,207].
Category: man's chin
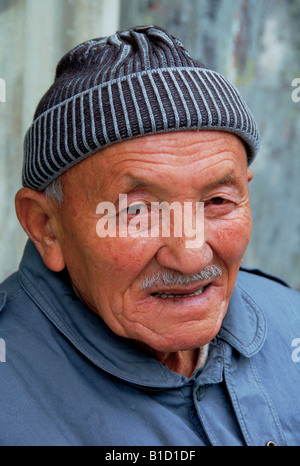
[182,323]
[187,337]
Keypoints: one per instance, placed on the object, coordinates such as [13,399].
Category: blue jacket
[68,380]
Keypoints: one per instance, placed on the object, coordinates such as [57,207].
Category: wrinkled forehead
[139,162]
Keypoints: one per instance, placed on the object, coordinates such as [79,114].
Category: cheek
[230,238]
[124,258]
[107,261]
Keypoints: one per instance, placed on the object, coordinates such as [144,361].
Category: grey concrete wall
[34,35]
[256,44]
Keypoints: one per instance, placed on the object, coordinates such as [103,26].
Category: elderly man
[140,339]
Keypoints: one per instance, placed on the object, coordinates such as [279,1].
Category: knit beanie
[137,82]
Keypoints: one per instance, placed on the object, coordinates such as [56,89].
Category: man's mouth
[177,294]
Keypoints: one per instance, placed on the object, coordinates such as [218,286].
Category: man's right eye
[137,209]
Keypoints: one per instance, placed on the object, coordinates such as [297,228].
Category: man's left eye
[218,201]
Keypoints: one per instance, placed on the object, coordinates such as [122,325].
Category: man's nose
[174,254]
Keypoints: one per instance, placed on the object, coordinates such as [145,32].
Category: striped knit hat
[136,82]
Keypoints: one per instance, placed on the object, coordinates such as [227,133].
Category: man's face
[110,273]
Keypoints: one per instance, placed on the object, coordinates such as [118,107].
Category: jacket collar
[243,326]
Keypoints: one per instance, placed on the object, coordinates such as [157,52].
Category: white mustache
[176,278]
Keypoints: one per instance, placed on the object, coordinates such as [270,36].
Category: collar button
[200,393]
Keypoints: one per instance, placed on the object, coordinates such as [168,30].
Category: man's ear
[250,175]
[36,214]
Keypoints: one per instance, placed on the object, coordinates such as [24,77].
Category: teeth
[167,295]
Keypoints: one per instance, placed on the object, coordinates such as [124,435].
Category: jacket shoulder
[261,273]
[10,291]
[273,295]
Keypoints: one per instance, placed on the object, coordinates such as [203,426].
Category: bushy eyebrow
[138,183]
[229,180]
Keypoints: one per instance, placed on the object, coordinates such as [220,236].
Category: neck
[184,362]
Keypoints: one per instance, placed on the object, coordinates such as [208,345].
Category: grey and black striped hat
[137,82]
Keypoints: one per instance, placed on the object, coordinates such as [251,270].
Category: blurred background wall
[255,43]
